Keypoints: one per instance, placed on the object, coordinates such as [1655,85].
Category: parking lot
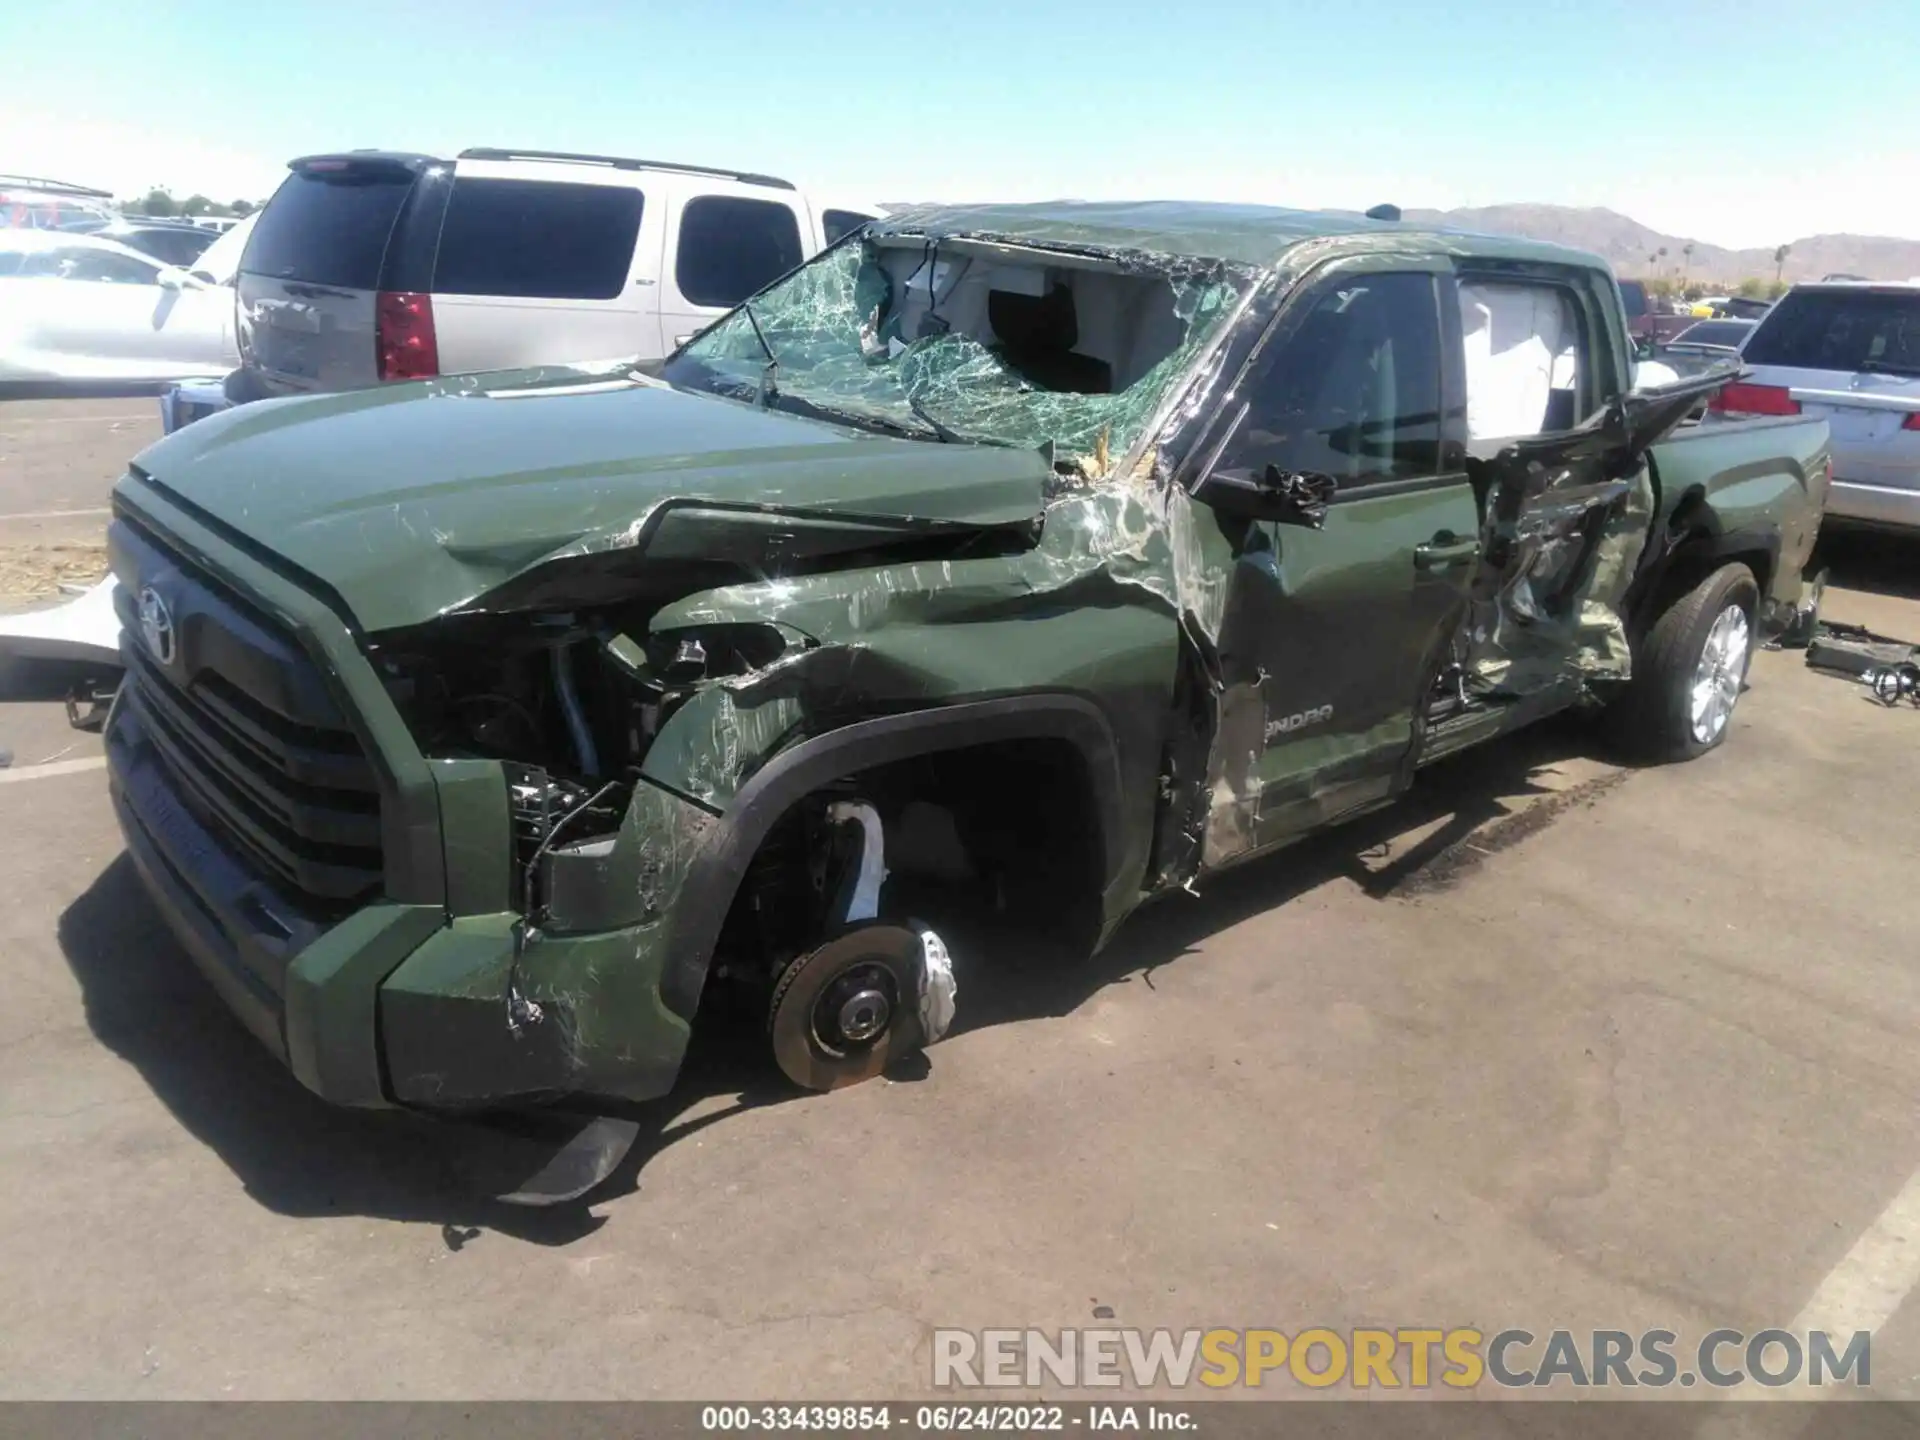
[1551,1045]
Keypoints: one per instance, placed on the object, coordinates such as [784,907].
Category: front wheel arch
[715,874]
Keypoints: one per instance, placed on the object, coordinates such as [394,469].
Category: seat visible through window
[1037,334]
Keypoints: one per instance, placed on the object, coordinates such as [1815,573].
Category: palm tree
[1686,250]
[1780,262]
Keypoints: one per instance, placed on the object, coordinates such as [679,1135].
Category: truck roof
[1254,235]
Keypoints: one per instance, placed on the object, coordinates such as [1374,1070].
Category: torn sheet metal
[85,630]
[1099,603]
[1556,573]
[1567,519]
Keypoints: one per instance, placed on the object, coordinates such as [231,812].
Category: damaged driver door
[1557,443]
[1338,476]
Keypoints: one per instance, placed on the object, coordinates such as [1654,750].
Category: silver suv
[372,266]
[1848,352]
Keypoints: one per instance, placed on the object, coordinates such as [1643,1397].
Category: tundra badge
[1319,715]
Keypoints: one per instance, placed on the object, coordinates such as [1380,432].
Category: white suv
[371,266]
[1848,352]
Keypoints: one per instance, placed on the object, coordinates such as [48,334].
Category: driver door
[1333,633]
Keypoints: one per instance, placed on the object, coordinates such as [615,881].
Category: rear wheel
[1689,668]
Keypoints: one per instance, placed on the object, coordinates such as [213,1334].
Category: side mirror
[1286,497]
[171,277]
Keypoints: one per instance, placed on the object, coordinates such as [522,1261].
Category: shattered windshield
[953,340]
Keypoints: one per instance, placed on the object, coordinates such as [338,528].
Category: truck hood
[409,501]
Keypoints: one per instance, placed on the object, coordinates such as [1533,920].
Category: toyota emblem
[156,625]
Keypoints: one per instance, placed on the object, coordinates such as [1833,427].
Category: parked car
[475,727]
[1648,323]
[31,203]
[1741,307]
[79,308]
[219,263]
[171,242]
[1703,345]
[1710,337]
[1849,353]
[370,266]
[1638,308]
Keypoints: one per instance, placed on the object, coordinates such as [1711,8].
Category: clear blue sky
[1735,121]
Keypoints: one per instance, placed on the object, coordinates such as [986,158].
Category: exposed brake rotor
[844,1012]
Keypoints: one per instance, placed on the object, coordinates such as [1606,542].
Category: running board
[1494,717]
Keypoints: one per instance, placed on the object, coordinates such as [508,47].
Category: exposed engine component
[585,753]
[573,694]
[541,805]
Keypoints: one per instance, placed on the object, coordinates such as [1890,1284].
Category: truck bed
[1761,480]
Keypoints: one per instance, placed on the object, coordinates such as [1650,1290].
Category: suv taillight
[403,339]
[1743,399]
[1912,422]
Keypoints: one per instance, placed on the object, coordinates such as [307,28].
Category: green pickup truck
[1049,557]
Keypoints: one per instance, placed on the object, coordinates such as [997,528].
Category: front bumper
[401,999]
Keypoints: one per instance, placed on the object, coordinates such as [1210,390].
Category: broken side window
[971,341]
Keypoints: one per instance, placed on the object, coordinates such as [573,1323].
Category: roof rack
[617,162]
[61,187]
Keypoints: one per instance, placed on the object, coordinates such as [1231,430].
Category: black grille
[295,797]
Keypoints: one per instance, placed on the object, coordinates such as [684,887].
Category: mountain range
[1631,247]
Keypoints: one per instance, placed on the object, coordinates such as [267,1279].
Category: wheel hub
[864,1016]
[855,1008]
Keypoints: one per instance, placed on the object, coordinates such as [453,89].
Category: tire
[1679,703]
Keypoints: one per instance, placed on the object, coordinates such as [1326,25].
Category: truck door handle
[1440,554]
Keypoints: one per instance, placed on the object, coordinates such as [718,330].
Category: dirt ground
[58,459]
[1551,1044]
